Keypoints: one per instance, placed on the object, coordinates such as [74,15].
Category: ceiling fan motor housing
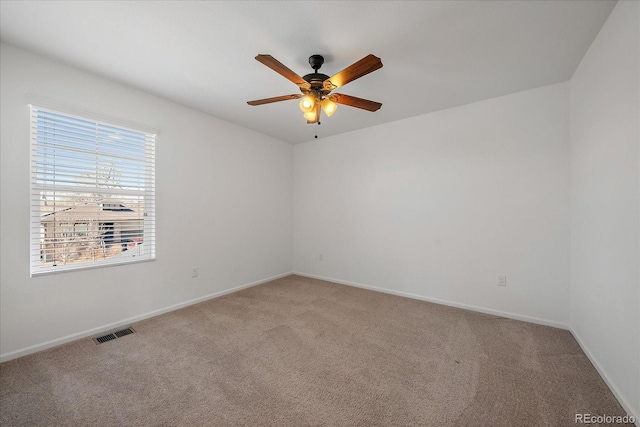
[316,79]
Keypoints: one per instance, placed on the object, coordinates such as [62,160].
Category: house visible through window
[92,193]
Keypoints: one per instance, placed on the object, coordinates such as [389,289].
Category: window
[92,193]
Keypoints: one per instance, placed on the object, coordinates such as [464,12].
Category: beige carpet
[303,352]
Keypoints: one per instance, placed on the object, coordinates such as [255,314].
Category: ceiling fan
[316,87]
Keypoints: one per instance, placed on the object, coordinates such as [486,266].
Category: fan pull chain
[316,137]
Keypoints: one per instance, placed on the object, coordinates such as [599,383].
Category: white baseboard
[634,412]
[126,322]
[499,313]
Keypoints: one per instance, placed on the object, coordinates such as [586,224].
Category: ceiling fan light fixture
[329,107]
[316,87]
[307,104]
[310,116]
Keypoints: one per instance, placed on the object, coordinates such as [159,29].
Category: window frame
[144,195]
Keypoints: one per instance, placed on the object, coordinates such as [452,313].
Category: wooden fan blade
[283,70]
[354,71]
[353,101]
[274,99]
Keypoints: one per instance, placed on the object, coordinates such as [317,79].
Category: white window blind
[92,193]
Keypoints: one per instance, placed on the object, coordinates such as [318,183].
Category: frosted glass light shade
[307,104]
[310,115]
[329,107]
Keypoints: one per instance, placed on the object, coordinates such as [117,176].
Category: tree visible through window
[92,193]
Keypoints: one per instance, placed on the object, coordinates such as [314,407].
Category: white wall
[437,206]
[223,204]
[605,203]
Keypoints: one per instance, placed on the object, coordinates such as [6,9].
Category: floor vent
[113,335]
[123,332]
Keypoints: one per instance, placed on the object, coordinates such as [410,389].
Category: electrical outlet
[194,271]
[321,257]
[502,280]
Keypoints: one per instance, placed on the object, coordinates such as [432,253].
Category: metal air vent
[113,335]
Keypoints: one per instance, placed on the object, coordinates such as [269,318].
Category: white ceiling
[436,54]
